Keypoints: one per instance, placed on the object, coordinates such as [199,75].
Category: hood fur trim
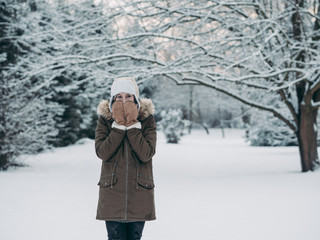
[146,109]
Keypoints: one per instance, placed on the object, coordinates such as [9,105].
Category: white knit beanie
[124,85]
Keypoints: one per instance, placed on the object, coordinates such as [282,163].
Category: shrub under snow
[172,125]
[266,130]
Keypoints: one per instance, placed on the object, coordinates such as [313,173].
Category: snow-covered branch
[236,96]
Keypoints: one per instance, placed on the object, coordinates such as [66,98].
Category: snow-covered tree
[26,115]
[172,125]
[263,53]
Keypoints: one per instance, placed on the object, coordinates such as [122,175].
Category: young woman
[125,141]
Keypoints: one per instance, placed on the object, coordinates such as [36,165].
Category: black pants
[124,231]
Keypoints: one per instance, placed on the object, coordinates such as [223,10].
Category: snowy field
[207,188]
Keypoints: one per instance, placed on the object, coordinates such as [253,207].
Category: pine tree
[26,114]
[172,125]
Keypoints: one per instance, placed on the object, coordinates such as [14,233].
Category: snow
[207,187]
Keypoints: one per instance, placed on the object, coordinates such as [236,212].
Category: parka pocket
[108,180]
[145,181]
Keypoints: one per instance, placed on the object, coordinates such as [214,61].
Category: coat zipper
[127,170]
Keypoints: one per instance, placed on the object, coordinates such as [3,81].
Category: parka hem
[122,220]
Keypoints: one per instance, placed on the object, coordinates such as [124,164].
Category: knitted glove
[130,113]
[118,113]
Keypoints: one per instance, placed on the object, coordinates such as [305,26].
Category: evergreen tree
[26,114]
[172,125]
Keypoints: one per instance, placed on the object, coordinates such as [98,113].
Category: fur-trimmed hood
[146,109]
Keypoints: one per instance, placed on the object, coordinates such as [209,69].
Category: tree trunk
[307,138]
[307,116]
[3,162]
[191,109]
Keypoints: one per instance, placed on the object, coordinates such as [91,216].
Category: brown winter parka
[126,186]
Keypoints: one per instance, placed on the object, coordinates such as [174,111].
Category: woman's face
[124,97]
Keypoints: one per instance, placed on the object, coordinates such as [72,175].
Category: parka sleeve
[107,140]
[143,141]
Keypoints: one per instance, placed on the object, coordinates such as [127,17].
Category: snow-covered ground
[207,188]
